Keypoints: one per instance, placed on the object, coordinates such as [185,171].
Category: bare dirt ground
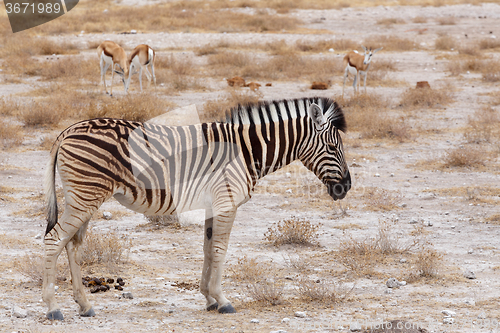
[452,205]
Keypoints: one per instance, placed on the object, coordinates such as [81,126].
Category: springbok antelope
[141,57]
[357,65]
[112,54]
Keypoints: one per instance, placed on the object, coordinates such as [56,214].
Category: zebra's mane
[263,112]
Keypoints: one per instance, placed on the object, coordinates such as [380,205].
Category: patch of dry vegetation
[425,97]
[464,157]
[164,221]
[322,291]
[447,20]
[105,250]
[388,21]
[382,200]
[10,135]
[489,44]
[445,43]
[293,231]
[391,43]
[483,126]
[31,267]
[368,116]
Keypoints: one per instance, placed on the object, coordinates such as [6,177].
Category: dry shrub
[464,157]
[489,43]
[382,65]
[381,199]
[279,48]
[483,126]
[228,58]
[107,250]
[447,20]
[164,221]
[8,106]
[217,109]
[391,43]
[357,255]
[140,107]
[261,280]
[445,43]
[36,114]
[426,265]
[323,291]
[315,46]
[420,19]
[368,116]
[10,135]
[344,45]
[390,21]
[469,50]
[491,71]
[495,219]
[425,97]
[206,49]
[31,267]
[293,231]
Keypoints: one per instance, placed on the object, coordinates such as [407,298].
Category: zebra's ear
[316,115]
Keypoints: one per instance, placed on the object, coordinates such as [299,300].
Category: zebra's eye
[331,147]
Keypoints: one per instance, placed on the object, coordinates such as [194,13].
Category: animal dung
[423,84]
[269,84]
[236,81]
[253,86]
[102,284]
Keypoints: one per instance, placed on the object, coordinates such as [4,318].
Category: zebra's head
[324,153]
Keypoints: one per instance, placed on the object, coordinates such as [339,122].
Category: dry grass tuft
[425,97]
[293,231]
[426,265]
[390,21]
[391,43]
[420,19]
[31,266]
[483,126]
[381,199]
[489,43]
[168,221]
[445,43]
[107,250]
[10,135]
[217,109]
[39,114]
[464,157]
[322,291]
[447,20]
[262,280]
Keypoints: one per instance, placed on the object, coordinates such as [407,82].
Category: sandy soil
[158,258]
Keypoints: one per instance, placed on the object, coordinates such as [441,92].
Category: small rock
[175,244]
[289,191]
[377,175]
[402,283]
[469,275]
[402,260]
[471,251]
[254,321]
[413,221]
[388,291]
[428,224]
[448,320]
[392,174]
[470,302]
[19,313]
[355,327]
[107,215]
[331,50]
[393,283]
[278,331]
[288,175]
[300,314]
[285,320]
[133,31]
[38,236]
[128,295]
[449,313]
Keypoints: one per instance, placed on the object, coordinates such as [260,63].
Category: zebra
[158,170]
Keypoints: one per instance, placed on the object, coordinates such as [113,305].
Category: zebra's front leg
[221,229]
[207,262]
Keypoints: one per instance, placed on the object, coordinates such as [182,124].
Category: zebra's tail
[50,187]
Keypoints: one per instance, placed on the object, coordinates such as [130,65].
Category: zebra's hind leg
[86,309]
[222,225]
[207,262]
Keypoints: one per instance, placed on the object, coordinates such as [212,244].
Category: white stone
[285,320]
[448,320]
[355,327]
[107,215]
[288,175]
[449,313]
[133,31]
[19,313]
[331,50]
[469,275]
[300,314]
[254,321]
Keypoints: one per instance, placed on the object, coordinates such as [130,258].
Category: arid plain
[425,202]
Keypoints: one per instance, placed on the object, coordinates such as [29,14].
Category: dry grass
[31,267]
[447,20]
[106,250]
[445,43]
[464,157]
[469,50]
[168,221]
[293,231]
[38,114]
[483,126]
[381,199]
[491,72]
[217,109]
[425,97]
[367,114]
[262,281]
[426,264]
[420,19]
[390,21]
[10,135]
[322,291]
[489,44]
[391,43]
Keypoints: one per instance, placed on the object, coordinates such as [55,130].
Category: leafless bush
[10,135]
[447,20]
[425,97]
[107,250]
[483,126]
[426,264]
[464,157]
[170,221]
[489,43]
[323,291]
[293,231]
[445,43]
[32,265]
[381,199]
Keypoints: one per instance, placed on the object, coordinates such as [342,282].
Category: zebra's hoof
[90,313]
[228,308]
[55,315]
[213,307]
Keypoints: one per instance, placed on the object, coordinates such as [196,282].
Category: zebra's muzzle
[338,190]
